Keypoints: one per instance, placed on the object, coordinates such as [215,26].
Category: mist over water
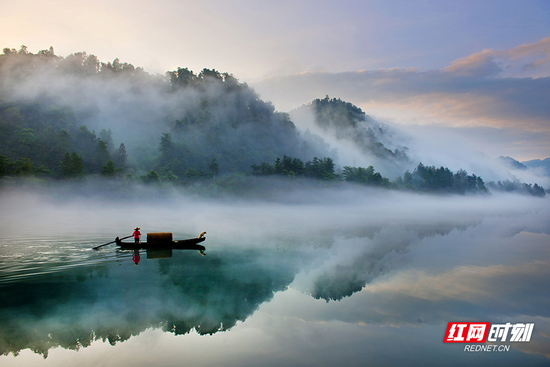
[356,260]
[302,219]
[297,270]
[303,266]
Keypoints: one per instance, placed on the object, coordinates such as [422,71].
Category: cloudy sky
[474,69]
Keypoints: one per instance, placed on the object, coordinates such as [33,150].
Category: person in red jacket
[136,234]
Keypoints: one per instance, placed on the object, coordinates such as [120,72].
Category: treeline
[182,128]
[423,178]
[518,187]
[442,179]
[322,169]
[18,63]
[427,179]
[366,176]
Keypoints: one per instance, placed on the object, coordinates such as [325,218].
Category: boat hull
[189,244]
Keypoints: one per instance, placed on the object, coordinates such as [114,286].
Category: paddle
[95,248]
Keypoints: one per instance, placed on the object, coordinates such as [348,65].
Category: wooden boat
[164,241]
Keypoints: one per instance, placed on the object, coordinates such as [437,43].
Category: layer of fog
[392,250]
[457,149]
[346,152]
[309,207]
[138,110]
[133,108]
[431,145]
[354,224]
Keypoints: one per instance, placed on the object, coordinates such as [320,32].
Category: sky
[481,66]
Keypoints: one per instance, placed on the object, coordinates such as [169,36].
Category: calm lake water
[350,278]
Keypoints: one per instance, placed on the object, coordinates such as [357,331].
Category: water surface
[357,278]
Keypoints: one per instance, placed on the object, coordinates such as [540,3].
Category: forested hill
[348,122]
[65,118]
[50,105]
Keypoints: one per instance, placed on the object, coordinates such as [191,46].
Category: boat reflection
[155,254]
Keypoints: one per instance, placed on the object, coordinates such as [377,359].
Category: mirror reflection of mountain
[116,300]
[379,247]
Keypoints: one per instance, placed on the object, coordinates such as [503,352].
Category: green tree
[167,148]
[102,153]
[255,169]
[71,165]
[26,136]
[278,166]
[212,75]
[4,165]
[108,169]
[86,146]
[181,78]
[294,165]
[150,178]
[320,168]
[214,167]
[348,173]
[169,177]
[366,176]
[23,167]
[266,169]
[408,180]
[192,174]
[121,156]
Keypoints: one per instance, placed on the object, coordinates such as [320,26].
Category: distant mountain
[511,163]
[537,163]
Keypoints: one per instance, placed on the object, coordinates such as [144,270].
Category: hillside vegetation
[74,117]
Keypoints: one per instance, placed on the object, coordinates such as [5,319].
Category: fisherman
[136,234]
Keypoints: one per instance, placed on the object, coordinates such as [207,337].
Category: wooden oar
[123,238]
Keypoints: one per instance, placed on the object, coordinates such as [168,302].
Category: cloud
[489,90]
[479,64]
[463,283]
[500,89]
[528,60]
